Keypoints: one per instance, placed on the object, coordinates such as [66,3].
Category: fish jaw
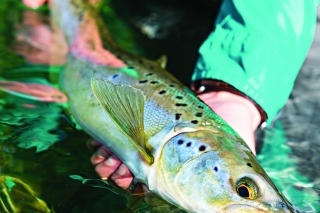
[195,173]
[245,208]
[241,208]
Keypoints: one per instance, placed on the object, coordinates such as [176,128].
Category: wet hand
[107,165]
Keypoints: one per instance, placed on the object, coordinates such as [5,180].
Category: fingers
[122,177]
[100,155]
[107,165]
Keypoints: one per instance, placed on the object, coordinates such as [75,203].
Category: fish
[169,139]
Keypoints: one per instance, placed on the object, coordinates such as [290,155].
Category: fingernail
[121,171]
[102,152]
[111,161]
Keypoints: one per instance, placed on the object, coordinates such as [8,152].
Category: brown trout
[169,139]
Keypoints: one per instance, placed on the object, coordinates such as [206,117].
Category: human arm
[258,48]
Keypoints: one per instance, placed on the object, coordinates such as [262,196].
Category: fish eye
[247,188]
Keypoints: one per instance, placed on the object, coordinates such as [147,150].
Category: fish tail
[74,17]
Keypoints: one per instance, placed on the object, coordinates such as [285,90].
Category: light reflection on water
[41,148]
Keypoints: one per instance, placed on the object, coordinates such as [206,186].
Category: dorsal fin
[162,61]
[125,105]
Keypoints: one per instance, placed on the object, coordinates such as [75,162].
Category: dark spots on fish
[215,168]
[202,148]
[194,121]
[162,92]
[143,81]
[189,144]
[181,104]
[149,74]
[282,205]
[115,75]
[171,85]
[140,61]
[179,97]
[180,142]
[132,68]
[154,82]
[151,68]
[200,107]
[178,115]
[199,114]
[249,164]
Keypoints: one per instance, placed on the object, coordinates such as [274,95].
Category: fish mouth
[241,207]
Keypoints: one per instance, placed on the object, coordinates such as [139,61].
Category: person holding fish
[194,160]
[246,69]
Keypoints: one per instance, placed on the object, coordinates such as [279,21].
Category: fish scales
[170,140]
[167,99]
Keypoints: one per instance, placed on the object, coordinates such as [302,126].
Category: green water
[44,160]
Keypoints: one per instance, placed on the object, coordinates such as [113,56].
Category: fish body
[168,138]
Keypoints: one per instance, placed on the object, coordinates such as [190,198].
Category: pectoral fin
[125,105]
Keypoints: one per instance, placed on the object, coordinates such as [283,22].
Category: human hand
[38,43]
[107,165]
[87,44]
[237,111]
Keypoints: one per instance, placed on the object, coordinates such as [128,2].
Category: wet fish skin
[188,155]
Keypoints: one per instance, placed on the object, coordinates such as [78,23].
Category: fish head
[206,171]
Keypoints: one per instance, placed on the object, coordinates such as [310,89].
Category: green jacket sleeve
[259,47]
